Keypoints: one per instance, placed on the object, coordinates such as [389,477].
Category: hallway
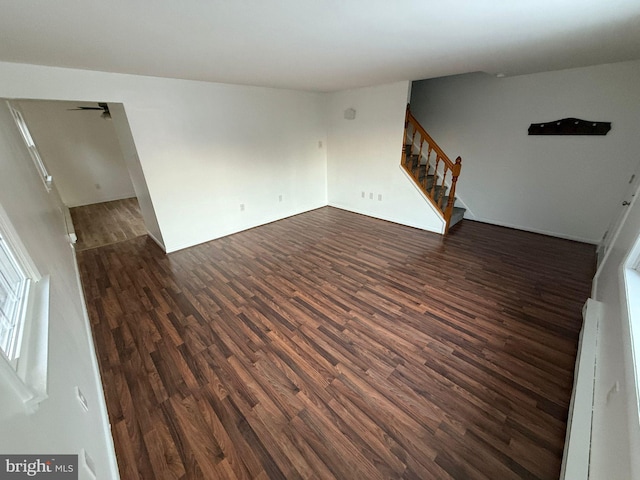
[106,223]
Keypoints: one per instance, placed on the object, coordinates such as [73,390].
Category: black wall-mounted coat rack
[570,126]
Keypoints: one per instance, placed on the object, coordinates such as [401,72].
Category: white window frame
[631,279]
[26,367]
[46,178]
[10,341]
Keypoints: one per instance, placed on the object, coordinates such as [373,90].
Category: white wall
[560,185]
[130,153]
[204,148]
[80,150]
[364,156]
[616,425]
[60,425]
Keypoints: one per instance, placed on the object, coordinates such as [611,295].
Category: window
[24,319]
[631,274]
[14,290]
[33,151]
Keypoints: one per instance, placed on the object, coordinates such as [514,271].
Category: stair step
[423,169]
[413,161]
[438,192]
[425,175]
[430,181]
[456,216]
[445,201]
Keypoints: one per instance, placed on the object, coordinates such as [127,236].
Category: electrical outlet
[242,207]
[279,198]
[379,197]
[362,194]
[371,196]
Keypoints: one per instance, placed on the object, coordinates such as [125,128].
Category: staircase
[431,170]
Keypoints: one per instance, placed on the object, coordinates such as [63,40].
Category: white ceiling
[319,45]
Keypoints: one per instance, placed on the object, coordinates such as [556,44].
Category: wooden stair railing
[437,174]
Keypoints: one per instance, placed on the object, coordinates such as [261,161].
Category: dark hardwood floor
[333,345]
[104,223]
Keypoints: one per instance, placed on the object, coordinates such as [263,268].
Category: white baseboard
[113,471]
[266,221]
[93,201]
[367,213]
[158,242]
[534,230]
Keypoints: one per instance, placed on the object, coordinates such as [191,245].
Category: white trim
[24,393]
[250,226]
[631,289]
[15,347]
[426,199]
[614,238]
[68,224]
[158,242]
[535,230]
[27,373]
[43,173]
[18,249]
[631,301]
[33,362]
[386,219]
[29,377]
[577,446]
[114,473]
[114,198]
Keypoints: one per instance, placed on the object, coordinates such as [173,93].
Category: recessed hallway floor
[333,345]
[105,223]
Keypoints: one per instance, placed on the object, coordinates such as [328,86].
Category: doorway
[629,192]
[81,144]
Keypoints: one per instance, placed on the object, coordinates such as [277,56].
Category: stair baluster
[432,193]
[427,168]
[445,172]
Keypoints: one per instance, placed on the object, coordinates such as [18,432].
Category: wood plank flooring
[331,345]
[105,223]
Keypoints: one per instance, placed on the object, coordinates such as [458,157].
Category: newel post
[455,172]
